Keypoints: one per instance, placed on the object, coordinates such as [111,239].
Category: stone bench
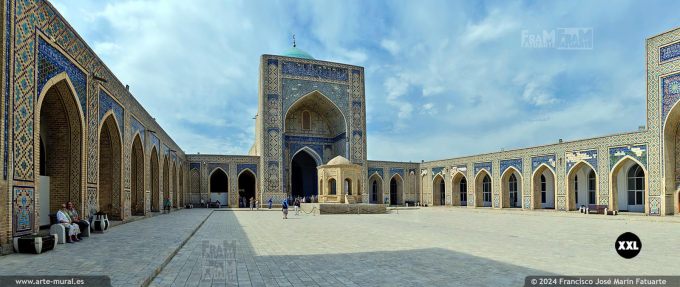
[60,230]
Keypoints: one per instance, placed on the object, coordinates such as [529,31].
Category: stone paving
[131,253]
[429,246]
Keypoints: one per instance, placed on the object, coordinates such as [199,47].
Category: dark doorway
[246,188]
[219,187]
[303,181]
[394,192]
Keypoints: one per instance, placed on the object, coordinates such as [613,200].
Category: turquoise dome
[297,53]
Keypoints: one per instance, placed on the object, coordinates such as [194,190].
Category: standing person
[284,208]
[73,214]
[297,206]
[202,202]
[270,203]
[166,205]
[251,203]
[257,204]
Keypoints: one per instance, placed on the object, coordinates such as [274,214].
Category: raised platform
[343,208]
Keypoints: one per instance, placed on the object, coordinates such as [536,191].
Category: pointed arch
[247,186]
[173,186]
[310,97]
[511,188]
[165,192]
[59,126]
[375,185]
[459,189]
[311,152]
[621,189]
[438,190]
[483,188]
[154,182]
[580,186]
[396,189]
[218,186]
[671,156]
[544,187]
[137,194]
[110,189]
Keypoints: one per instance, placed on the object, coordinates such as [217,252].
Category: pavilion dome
[297,53]
[338,160]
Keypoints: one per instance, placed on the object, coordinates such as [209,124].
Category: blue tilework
[52,62]
[314,71]
[669,52]
[516,163]
[549,160]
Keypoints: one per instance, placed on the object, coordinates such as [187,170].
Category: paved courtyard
[430,246]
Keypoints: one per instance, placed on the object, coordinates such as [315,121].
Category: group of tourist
[69,218]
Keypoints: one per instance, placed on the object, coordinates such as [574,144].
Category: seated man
[72,229]
[73,214]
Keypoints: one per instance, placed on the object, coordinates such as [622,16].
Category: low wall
[342,208]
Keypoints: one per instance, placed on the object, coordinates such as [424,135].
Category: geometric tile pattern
[106,104]
[313,71]
[24,206]
[638,152]
[241,166]
[483,165]
[372,170]
[669,52]
[437,170]
[396,170]
[549,160]
[213,165]
[589,156]
[516,163]
[136,126]
[670,93]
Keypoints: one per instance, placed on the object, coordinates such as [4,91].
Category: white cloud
[391,46]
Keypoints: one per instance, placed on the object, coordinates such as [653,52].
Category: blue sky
[443,78]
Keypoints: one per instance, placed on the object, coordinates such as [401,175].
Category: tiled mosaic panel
[437,170]
[483,165]
[396,170]
[670,93]
[5,131]
[52,62]
[106,104]
[242,166]
[137,127]
[24,208]
[313,71]
[379,171]
[516,163]
[549,160]
[638,152]
[92,207]
[589,156]
[212,166]
[669,52]
[24,89]
[294,89]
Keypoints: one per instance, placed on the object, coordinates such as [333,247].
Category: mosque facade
[71,131]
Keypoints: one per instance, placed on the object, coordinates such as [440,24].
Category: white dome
[338,160]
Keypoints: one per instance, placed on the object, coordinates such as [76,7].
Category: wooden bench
[600,209]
